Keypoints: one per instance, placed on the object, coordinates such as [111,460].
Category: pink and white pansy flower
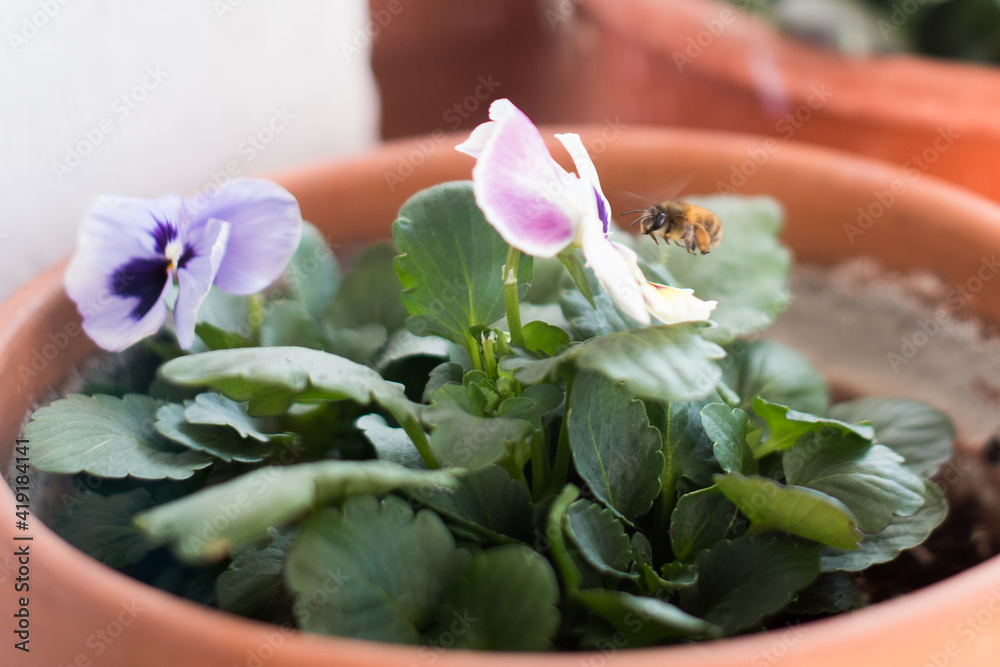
[541,209]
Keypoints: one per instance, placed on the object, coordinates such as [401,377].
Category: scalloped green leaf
[672,362]
[600,537]
[742,581]
[903,532]
[222,442]
[388,569]
[504,601]
[786,426]
[101,526]
[272,378]
[451,263]
[791,509]
[776,373]
[108,437]
[921,434]
[645,620]
[615,450]
[870,480]
[727,427]
[206,525]
[700,519]
[254,584]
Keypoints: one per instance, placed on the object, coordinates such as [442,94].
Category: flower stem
[419,438]
[510,297]
[560,467]
[539,465]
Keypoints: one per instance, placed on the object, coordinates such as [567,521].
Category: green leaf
[919,433]
[450,263]
[222,442]
[254,584]
[206,525]
[663,363]
[544,338]
[615,450]
[791,509]
[742,581]
[272,378]
[786,426]
[215,409]
[700,519]
[645,620]
[462,435]
[107,437]
[370,293]
[391,444]
[505,601]
[750,250]
[312,275]
[442,374]
[491,499]
[727,429]
[776,373]
[101,526]
[289,323]
[600,537]
[359,343]
[869,479]
[403,345]
[829,593]
[384,569]
[903,532]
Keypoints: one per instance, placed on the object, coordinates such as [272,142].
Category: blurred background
[140,99]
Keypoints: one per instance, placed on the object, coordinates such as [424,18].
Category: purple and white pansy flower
[133,252]
[541,209]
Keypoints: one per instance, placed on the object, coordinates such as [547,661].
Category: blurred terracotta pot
[706,64]
[83,613]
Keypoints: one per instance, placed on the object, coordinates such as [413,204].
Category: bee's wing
[643,199]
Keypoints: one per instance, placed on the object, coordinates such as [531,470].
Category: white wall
[145,97]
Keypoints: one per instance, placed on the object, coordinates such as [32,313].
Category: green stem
[539,465]
[475,355]
[560,468]
[419,438]
[489,356]
[255,315]
[510,297]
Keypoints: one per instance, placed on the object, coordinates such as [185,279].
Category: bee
[683,223]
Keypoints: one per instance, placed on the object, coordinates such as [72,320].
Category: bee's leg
[703,239]
[652,236]
[689,241]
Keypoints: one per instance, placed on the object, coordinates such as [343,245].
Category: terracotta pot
[82,611]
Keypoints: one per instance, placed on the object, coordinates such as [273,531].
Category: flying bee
[683,223]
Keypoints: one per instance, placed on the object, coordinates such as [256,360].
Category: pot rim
[816,643]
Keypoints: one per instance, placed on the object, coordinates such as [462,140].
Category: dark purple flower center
[602,211]
[143,277]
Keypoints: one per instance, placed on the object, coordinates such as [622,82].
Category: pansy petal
[477,140]
[615,274]
[671,305]
[195,274]
[521,190]
[265,227]
[117,277]
[585,168]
